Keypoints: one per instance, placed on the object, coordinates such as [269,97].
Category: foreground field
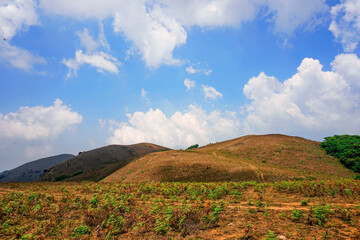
[247,210]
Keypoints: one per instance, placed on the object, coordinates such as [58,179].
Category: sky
[77,75]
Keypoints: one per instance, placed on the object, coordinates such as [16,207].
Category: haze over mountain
[259,158]
[96,164]
[33,171]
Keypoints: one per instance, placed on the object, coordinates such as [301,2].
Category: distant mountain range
[97,164]
[33,171]
[262,158]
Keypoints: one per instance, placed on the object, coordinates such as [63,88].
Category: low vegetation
[228,210]
[346,148]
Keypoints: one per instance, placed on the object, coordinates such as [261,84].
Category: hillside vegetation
[251,158]
[33,171]
[346,148]
[232,210]
[96,164]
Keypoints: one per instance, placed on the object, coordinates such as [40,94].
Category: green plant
[193,147]
[346,148]
[321,212]
[271,236]
[304,202]
[296,214]
[81,230]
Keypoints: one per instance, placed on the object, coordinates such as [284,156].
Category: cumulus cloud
[17,16]
[157,27]
[177,131]
[189,84]
[311,103]
[210,92]
[345,24]
[39,122]
[100,60]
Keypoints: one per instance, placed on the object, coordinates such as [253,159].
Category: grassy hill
[96,164]
[258,158]
[32,171]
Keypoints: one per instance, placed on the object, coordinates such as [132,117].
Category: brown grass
[258,158]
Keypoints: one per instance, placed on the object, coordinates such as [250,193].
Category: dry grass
[258,158]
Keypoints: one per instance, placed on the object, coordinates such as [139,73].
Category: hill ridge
[260,158]
[34,170]
[95,164]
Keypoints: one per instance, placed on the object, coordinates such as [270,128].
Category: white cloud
[179,130]
[311,103]
[210,92]
[17,16]
[100,60]
[285,15]
[289,15]
[192,70]
[144,95]
[157,27]
[18,57]
[38,122]
[189,84]
[87,41]
[345,24]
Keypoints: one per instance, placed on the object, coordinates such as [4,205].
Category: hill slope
[259,158]
[32,171]
[96,164]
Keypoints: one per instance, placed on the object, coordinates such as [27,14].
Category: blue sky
[79,75]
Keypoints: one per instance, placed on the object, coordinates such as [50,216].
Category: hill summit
[96,164]
[259,158]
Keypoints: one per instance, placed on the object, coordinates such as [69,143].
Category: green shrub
[320,214]
[193,147]
[346,148]
[81,230]
[271,236]
[296,214]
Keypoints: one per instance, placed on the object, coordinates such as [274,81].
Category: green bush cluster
[346,148]
[193,147]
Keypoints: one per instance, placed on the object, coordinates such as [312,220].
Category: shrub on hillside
[346,148]
[193,146]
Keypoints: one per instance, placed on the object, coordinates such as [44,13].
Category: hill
[96,164]
[32,171]
[259,158]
